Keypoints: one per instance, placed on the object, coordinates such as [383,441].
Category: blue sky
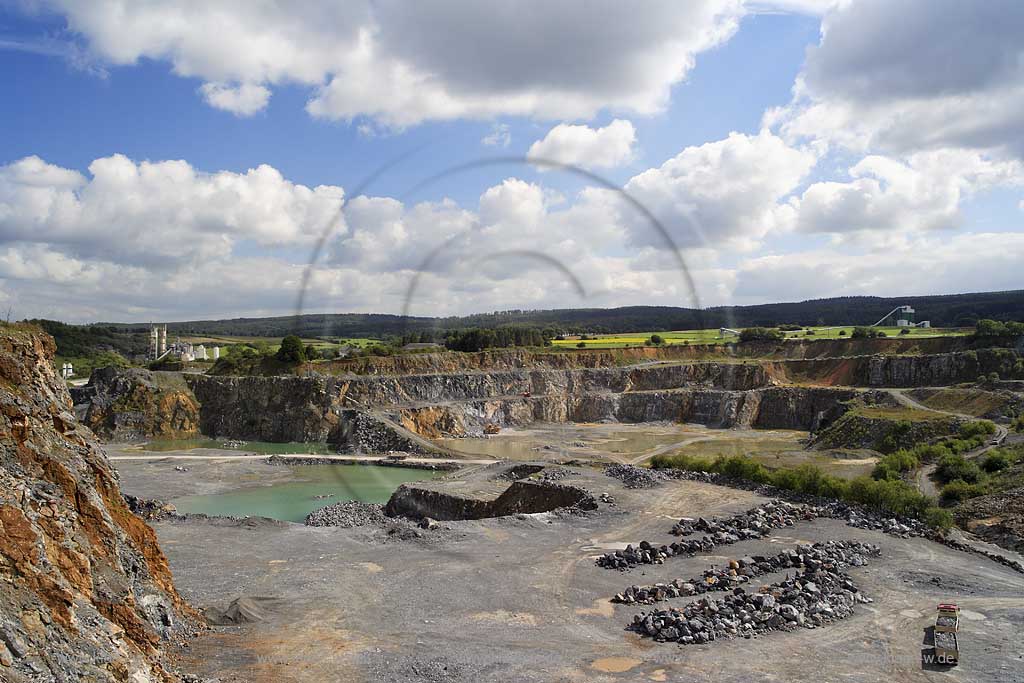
[805,163]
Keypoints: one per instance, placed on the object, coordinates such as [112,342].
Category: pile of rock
[150,510]
[348,514]
[817,596]
[831,555]
[555,473]
[635,477]
[752,524]
[855,515]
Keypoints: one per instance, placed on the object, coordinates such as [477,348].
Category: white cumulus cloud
[587,147]
[154,212]
[954,78]
[401,63]
[729,190]
[242,100]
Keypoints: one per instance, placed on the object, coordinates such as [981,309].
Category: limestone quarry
[548,553]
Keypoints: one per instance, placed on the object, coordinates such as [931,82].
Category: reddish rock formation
[86,592]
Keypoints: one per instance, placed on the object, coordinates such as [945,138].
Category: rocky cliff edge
[85,591]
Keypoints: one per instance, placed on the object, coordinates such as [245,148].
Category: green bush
[656,340]
[977,428]
[952,467]
[959,490]
[890,497]
[291,350]
[937,518]
[761,334]
[892,465]
[996,461]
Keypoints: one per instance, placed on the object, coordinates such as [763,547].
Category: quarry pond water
[291,501]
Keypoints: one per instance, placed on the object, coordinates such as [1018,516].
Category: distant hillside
[943,311]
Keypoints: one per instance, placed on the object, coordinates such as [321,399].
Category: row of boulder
[633,477]
[830,555]
[753,524]
[818,595]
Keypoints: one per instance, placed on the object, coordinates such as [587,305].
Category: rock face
[122,404]
[379,412]
[86,592]
[277,409]
[422,499]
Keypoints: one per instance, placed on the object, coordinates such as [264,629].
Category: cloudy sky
[186,158]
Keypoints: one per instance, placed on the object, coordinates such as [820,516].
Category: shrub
[581,345]
[862,332]
[937,518]
[892,497]
[952,467]
[892,465]
[656,340]
[905,330]
[761,334]
[977,428]
[842,333]
[995,461]
[958,491]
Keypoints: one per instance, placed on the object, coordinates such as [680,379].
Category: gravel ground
[520,598]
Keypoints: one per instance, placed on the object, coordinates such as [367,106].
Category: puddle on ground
[614,665]
[292,501]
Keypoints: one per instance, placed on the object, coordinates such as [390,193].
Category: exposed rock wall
[387,390]
[806,408]
[277,409]
[416,501]
[901,371]
[510,359]
[86,592]
[136,404]
[122,404]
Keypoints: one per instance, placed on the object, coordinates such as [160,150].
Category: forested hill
[943,311]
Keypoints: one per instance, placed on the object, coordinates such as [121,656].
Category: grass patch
[885,496]
[785,449]
[976,402]
[714,336]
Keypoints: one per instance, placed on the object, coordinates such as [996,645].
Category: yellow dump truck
[947,626]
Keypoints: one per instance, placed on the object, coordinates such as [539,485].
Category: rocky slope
[87,594]
[130,404]
[510,359]
[464,392]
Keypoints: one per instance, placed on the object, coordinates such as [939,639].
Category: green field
[618,341]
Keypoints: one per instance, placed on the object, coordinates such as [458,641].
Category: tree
[291,350]
[761,334]
[581,345]
[656,340]
[990,328]
[905,330]
[312,353]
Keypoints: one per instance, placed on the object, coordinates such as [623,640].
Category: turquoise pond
[292,501]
